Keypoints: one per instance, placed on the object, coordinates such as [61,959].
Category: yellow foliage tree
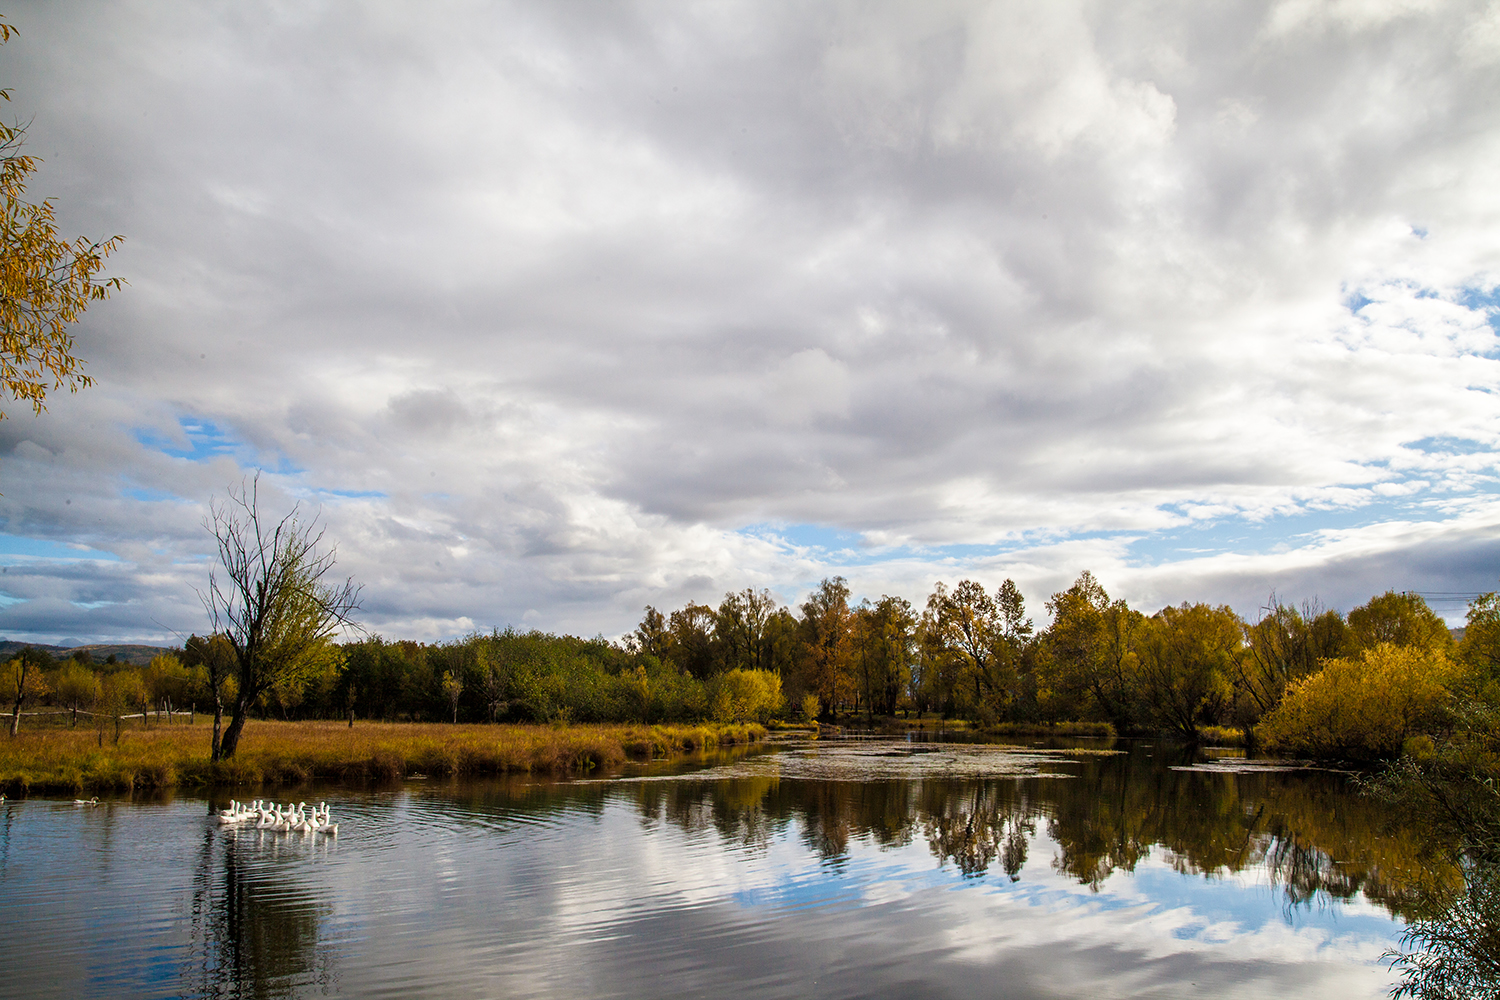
[1365,707]
[46,282]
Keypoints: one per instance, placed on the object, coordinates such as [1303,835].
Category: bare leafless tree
[271,601]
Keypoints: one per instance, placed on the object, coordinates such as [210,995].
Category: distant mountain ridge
[132,653]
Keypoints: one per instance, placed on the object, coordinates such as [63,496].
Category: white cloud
[546,308]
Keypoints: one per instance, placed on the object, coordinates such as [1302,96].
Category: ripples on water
[838,870]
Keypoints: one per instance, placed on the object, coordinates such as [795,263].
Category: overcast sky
[557,310]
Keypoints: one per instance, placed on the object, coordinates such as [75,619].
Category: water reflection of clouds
[768,886]
[886,906]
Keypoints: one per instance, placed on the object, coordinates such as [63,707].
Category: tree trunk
[231,740]
[15,718]
[351,718]
[217,753]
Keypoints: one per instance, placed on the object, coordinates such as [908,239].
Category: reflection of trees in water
[975,822]
[1313,832]
[255,932]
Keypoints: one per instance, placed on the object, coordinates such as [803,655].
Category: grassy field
[72,760]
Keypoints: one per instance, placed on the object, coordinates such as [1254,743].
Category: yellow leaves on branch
[1365,707]
[46,282]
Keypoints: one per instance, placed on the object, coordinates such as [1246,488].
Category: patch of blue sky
[1243,536]
[1486,300]
[149,496]
[7,600]
[1447,445]
[850,548]
[1355,301]
[354,494]
[18,548]
[207,441]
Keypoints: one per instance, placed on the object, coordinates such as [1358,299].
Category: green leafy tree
[691,649]
[652,637]
[1399,619]
[272,603]
[1090,655]
[166,680]
[76,687]
[46,282]
[214,657]
[1480,648]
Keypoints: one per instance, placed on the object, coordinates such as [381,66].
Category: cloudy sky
[557,310]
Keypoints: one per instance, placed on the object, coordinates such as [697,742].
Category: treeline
[1306,679]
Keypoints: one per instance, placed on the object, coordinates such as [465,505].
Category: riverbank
[69,761]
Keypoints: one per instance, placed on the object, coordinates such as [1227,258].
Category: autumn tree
[752,631]
[271,602]
[938,668]
[1091,650]
[75,687]
[453,689]
[1398,619]
[46,282]
[1286,644]
[22,680]
[989,635]
[166,680]
[824,646]
[1364,707]
[885,646]
[1186,657]
[214,656]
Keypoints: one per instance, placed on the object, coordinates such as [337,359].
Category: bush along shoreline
[70,761]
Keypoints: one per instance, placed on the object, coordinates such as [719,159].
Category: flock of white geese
[277,818]
[280,819]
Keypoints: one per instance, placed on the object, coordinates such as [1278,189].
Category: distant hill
[133,654]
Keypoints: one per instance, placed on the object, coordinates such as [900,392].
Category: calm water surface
[845,869]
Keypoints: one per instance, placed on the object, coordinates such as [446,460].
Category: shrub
[1364,708]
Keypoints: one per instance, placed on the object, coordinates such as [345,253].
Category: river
[850,868]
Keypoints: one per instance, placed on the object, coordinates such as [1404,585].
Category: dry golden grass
[71,760]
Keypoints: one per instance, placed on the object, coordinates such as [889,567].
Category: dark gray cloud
[554,311]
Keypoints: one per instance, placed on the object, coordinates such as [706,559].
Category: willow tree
[272,602]
[46,281]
